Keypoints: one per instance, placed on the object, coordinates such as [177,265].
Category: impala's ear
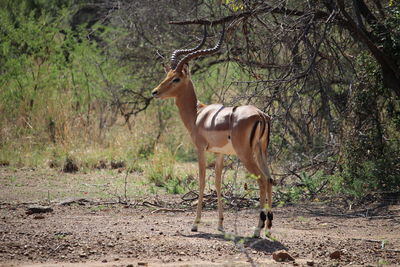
[185,69]
[167,68]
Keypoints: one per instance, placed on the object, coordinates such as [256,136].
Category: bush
[370,157]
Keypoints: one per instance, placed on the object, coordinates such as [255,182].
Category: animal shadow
[258,244]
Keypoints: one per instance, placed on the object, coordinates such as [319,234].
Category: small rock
[104,261]
[38,217]
[129,265]
[310,263]
[142,263]
[282,255]
[335,255]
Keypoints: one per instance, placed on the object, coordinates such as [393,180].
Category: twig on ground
[70,201]
[353,215]
[186,197]
[168,210]
[148,204]
[367,240]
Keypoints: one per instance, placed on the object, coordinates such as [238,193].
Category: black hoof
[270,216]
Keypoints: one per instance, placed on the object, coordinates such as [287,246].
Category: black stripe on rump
[268,121]
[263,123]
[266,129]
[253,133]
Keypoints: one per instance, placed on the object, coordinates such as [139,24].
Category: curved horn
[199,53]
[177,53]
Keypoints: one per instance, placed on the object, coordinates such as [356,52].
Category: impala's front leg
[202,185]
[218,182]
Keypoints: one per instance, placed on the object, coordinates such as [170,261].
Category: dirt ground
[100,233]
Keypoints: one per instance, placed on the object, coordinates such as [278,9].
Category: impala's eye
[176,80]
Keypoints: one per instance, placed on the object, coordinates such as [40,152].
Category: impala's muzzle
[154,93]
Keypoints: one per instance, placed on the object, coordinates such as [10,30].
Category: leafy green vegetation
[75,82]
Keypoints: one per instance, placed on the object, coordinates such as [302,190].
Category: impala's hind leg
[262,182]
[270,216]
[249,151]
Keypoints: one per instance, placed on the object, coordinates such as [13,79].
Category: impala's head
[178,75]
[174,83]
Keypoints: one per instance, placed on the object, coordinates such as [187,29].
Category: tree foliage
[327,71]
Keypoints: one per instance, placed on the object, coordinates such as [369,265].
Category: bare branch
[264,8]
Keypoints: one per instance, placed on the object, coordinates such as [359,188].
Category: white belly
[226,149]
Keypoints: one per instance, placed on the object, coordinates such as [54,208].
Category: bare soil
[105,233]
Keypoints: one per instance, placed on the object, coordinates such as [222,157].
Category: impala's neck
[187,105]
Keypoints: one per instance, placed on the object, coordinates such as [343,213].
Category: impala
[242,130]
